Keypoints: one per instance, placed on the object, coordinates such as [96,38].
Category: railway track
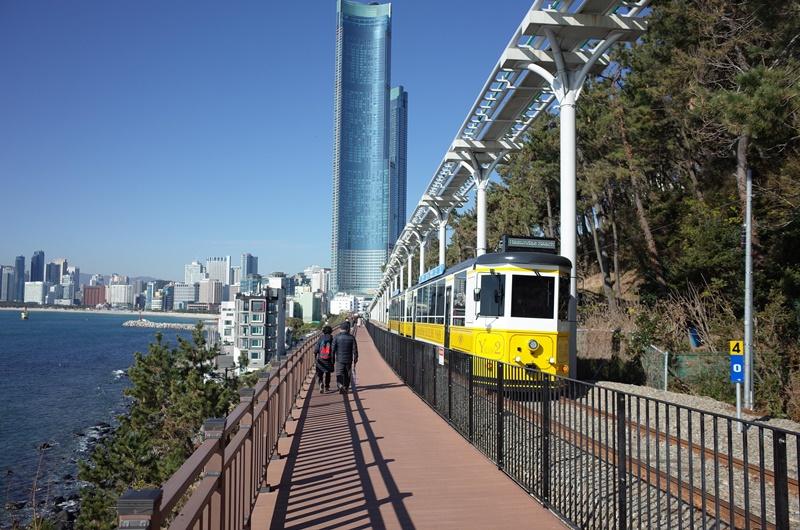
[705,452]
[676,487]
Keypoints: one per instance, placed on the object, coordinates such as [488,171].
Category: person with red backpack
[324,356]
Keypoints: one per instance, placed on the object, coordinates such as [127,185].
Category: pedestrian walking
[324,356]
[345,355]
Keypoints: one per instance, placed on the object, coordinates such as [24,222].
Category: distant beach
[122,312]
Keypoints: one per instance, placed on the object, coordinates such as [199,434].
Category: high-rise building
[361,146]
[75,274]
[219,268]
[119,279]
[8,283]
[52,273]
[19,276]
[120,295]
[210,291]
[94,295]
[194,272]
[185,293]
[37,266]
[398,134]
[236,275]
[97,279]
[35,292]
[249,265]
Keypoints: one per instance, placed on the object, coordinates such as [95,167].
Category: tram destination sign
[527,244]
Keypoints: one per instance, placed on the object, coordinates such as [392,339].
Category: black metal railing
[604,458]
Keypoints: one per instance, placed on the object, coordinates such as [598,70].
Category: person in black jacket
[323,353]
[345,354]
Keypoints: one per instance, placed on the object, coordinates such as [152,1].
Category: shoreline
[122,312]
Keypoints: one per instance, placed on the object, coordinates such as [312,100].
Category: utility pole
[748,295]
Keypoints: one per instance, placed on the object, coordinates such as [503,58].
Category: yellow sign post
[736,354]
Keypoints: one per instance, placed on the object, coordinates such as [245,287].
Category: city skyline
[124,99]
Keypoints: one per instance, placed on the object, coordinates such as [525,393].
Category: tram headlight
[517,359]
[552,360]
[533,344]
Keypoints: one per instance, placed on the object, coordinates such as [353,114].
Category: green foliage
[173,390]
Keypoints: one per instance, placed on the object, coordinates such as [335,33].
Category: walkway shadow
[326,482]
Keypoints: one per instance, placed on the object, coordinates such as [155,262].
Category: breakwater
[144,323]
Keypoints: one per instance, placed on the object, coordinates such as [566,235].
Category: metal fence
[602,458]
[218,484]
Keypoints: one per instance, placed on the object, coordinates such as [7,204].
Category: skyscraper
[194,272]
[249,265]
[37,266]
[361,146]
[8,283]
[19,276]
[398,134]
[219,269]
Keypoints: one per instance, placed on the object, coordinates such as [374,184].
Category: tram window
[563,298]
[533,296]
[422,304]
[459,298]
[493,288]
[439,302]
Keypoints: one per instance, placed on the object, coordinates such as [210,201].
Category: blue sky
[137,136]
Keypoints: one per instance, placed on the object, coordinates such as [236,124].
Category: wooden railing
[225,474]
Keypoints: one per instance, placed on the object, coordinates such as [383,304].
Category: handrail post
[264,423]
[449,357]
[546,436]
[500,414]
[622,460]
[781,473]
[247,395]
[140,509]
[214,429]
[471,403]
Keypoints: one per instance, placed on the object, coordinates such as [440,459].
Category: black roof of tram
[504,258]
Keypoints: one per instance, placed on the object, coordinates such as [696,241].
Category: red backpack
[325,351]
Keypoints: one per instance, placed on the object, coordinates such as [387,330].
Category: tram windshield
[492,295]
[533,296]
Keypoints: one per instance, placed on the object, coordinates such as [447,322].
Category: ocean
[59,387]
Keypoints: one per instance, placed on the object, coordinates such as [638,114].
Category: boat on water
[24,314]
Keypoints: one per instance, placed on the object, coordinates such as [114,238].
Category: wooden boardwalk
[381,458]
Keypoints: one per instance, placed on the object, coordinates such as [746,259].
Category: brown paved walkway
[381,458]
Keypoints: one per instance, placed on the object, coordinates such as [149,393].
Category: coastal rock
[144,323]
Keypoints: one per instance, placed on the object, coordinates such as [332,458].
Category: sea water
[59,380]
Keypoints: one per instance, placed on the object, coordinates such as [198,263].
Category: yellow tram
[509,306]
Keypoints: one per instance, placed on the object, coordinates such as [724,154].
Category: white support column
[442,238]
[422,255]
[569,229]
[410,265]
[480,203]
[402,270]
[567,85]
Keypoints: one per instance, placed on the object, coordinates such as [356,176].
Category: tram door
[447,307]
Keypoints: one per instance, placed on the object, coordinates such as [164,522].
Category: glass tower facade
[37,266]
[19,274]
[398,132]
[361,166]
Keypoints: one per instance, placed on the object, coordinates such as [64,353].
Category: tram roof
[502,258]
